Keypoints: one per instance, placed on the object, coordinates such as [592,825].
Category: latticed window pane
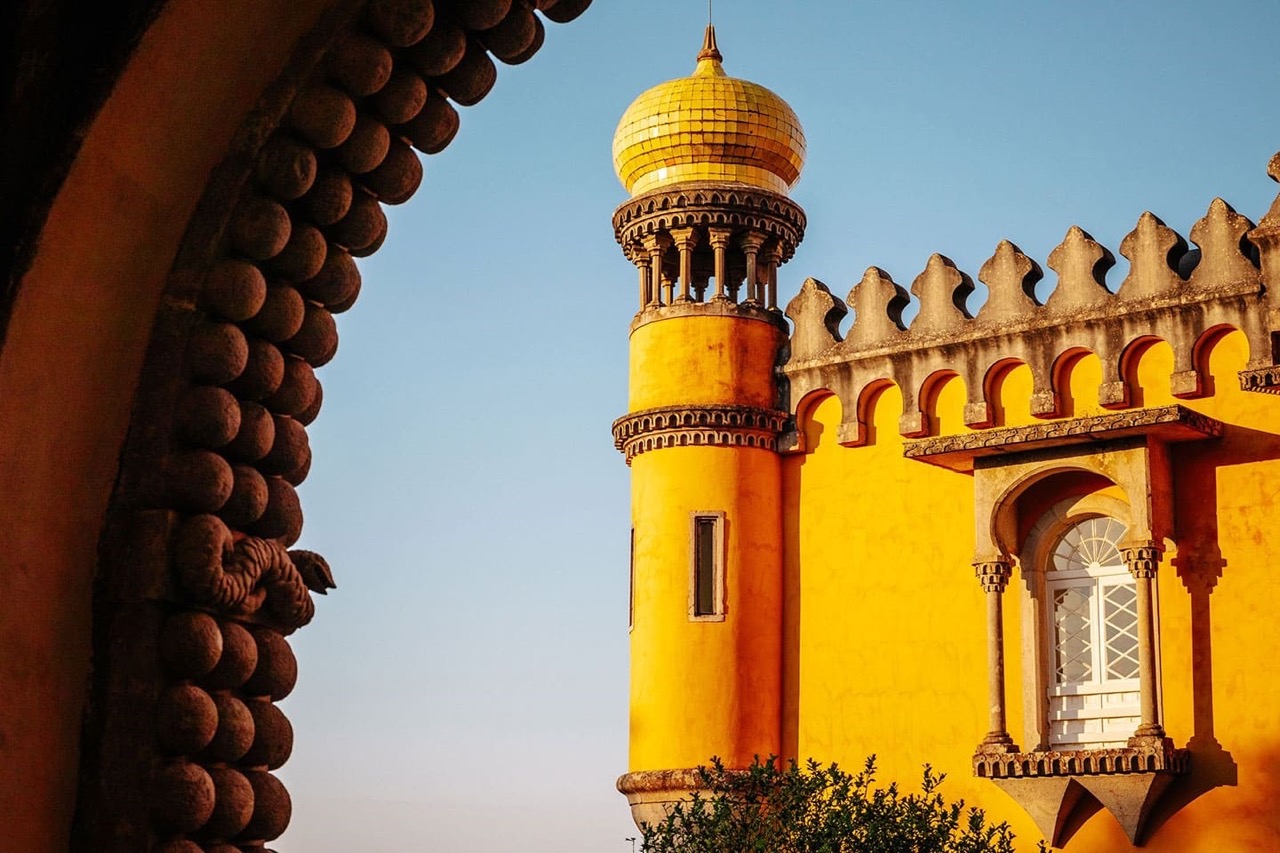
[1120,618]
[1073,634]
[1090,546]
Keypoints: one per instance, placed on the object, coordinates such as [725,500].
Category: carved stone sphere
[199,480]
[234,733]
[248,497]
[208,416]
[182,797]
[277,670]
[272,807]
[273,736]
[233,804]
[186,720]
[190,644]
[239,658]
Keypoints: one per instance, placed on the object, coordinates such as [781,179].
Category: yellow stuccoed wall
[700,689]
[884,638]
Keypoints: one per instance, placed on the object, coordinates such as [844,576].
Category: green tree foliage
[768,808]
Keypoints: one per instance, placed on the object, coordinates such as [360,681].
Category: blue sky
[465,687]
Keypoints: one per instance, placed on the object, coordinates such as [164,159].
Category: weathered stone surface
[273,736]
[277,669]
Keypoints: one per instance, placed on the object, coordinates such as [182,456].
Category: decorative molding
[993,574]
[958,452]
[692,426]
[1143,560]
[1049,786]
[1263,380]
[739,208]
[1162,758]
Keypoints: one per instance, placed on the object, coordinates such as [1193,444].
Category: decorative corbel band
[707,206]
[1143,560]
[1262,380]
[993,574]
[1169,423]
[1156,758]
[683,426]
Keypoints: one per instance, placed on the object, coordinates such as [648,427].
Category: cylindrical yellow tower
[707,160]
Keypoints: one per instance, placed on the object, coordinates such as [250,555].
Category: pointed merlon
[1011,277]
[1154,251]
[1081,264]
[942,290]
[709,48]
[1223,247]
[877,303]
[817,315]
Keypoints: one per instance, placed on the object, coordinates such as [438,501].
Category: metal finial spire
[709,48]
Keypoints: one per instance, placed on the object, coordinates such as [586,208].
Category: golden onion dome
[708,127]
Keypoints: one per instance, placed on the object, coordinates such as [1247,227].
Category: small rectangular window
[706,596]
[631,590]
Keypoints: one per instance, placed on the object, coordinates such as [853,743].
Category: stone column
[751,243]
[1143,559]
[642,264]
[720,244]
[994,577]
[685,239]
[655,245]
[772,260]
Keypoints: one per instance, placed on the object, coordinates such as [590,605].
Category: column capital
[719,237]
[773,253]
[657,242]
[685,238]
[1142,558]
[751,241]
[993,574]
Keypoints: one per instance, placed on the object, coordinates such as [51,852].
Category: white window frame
[1036,625]
[717,568]
[1098,580]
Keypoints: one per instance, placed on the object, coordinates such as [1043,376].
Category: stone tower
[708,161]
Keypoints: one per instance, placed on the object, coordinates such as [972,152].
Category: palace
[1029,546]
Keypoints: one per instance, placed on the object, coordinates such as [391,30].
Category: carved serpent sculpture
[237,576]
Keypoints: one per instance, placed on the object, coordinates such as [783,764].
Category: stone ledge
[958,452]
[697,426]
[1059,790]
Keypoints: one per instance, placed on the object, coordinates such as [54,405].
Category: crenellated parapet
[1186,295]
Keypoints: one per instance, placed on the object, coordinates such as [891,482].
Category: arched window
[1094,696]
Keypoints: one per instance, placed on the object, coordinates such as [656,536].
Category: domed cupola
[708,127]
[708,160]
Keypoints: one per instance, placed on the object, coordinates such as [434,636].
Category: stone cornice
[694,426]
[710,308]
[1168,423]
[1161,758]
[711,206]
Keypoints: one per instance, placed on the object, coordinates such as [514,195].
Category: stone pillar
[1143,559]
[685,239]
[772,260]
[994,577]
[642,264]
[751,243]
[720,244]
[655,245]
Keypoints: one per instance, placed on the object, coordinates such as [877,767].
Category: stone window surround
[1130,451]
[719,588]
[1037,550]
